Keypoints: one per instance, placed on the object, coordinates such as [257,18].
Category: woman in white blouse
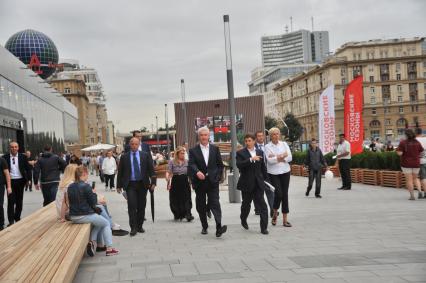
[278,156]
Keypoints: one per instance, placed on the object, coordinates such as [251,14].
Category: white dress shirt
[252,153]
[343,148]
[15,173]
[274,166]
[205,150]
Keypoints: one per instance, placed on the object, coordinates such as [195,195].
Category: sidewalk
[369,234]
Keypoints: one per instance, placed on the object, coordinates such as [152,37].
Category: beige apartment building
[394,75]
[74,90]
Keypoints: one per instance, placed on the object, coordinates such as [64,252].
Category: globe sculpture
[36,50]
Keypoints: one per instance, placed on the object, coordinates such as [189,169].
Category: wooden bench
[40,249]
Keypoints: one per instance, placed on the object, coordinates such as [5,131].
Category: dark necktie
[136,168]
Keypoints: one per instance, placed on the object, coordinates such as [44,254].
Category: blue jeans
[49,191]
[101,230]
[105,214]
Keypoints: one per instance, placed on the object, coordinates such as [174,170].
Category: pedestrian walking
[205,167]
[252,182]
[278,156]
[31,161]
[109,168]
[422,172]
[315,162]
[48,170]
[409,151]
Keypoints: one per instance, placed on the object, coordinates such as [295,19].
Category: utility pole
[167,131]
[158,136]
[185,121]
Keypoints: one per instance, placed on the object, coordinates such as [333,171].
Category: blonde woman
[278,156]
[67,179]
[178,186]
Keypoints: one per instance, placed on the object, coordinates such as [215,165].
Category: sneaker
[90,249]
[420,195]
[116,226]
[112,252]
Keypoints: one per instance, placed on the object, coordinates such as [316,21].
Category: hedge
[364,160]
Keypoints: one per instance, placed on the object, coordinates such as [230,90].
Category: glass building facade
[31,111]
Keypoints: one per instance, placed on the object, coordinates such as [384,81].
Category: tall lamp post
[167,131]
[185,122]
[234,196]
[158,136]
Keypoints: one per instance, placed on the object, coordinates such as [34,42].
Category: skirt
[180,196]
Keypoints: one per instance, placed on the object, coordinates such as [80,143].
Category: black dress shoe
[307,193]
[133,232]
[264,232]
[257,213]
[141,230]
[221,230]
[244,224]
[318,196]
[204,231]
[346,189]
[189,218]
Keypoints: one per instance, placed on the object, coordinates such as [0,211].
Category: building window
[375,133]
[373,111]
[398,77]
[399,88]
[372,90]
[67,90]
[398,67]
[388,122]
[343,81]
[401,109]
[371,79]
[372,100]
[401,132]
[414,108]
[401,123]
[375,124]
[371,68]
[400,98]
[386,110]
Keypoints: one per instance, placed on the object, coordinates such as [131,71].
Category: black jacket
[252,174]
[48,168]
[82,199]
[315,159]
[125,170]
[24,166]
[196,163]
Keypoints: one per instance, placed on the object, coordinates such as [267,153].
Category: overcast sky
[142,49]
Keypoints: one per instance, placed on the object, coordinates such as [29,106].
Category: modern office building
[263,81]
[31,111]
[300,46]
[394,74]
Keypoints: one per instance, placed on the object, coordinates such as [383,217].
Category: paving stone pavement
[369,234]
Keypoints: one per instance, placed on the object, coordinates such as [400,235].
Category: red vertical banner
[354,127]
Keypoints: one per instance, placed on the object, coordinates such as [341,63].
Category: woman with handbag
[82,202]
[178,186]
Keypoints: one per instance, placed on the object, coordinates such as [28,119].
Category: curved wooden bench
[40,249]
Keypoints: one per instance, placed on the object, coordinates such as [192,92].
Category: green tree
[294,130]
[270,122]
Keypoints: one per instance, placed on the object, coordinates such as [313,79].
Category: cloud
[142,49]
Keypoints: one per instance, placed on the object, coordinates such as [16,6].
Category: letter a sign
[354,127]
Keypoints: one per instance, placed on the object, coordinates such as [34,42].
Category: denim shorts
[422,173]
[406,170]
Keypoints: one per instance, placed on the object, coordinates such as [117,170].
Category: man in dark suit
[252,182]
[136,175]
[20,172]
[205,168]
[142,146]
[260,144]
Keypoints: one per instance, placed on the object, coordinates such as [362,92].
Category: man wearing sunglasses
[19,169]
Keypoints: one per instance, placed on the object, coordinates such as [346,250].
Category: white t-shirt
[422,140]
[343,148]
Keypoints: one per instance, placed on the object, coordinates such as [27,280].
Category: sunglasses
[13,160]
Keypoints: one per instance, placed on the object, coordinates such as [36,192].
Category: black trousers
[281,183]
[109,179]
[136,203]
[15,199]
[345,172]
[207,198]
[180,197]
[49,192]
[315,175]
[2,189]
[259,203]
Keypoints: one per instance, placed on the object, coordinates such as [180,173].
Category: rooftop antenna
[286,28]
[291,24]
[312,22]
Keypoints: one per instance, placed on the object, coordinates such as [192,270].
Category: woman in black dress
[178,186]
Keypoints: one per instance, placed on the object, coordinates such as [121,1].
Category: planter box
[305,172]
[160,171]
[369,177]
[335,171]
[355,175]
[391,179]
[296,170]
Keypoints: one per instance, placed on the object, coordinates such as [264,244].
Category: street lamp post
[158,136]
[234,196]
[167,131]
[185,122]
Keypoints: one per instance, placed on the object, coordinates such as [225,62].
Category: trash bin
[234,194]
